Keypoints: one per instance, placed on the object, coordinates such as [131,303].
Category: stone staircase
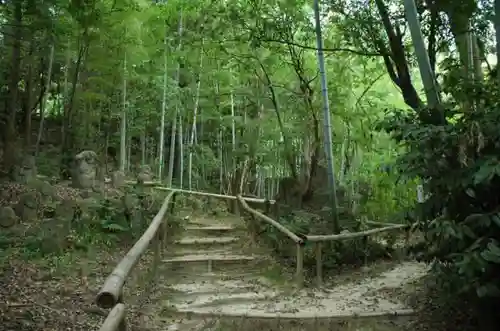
[217,282]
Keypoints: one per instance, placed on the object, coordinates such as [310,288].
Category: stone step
[210,227]
[339,323]
[201,302]
[207,262]
[210,230]
[370,298]
[186,274]
[188,250]
[209,257]
[219,221]
[206,240]
[214,289]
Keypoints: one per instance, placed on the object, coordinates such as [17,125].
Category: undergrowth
[98,222]
[336,256]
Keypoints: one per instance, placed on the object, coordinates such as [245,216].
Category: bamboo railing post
[319,264]
[365,249]
[164,235]
[299,273]
[156,259]
[236,208]
[276,210]
[407,242]
[267,207]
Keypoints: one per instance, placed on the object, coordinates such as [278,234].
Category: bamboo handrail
[115,321]
[380,223]
[350,235]
[319,239]
[270,221]
[111,291]
[299,242]
[214,195]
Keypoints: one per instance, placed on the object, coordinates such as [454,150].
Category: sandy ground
[238,297]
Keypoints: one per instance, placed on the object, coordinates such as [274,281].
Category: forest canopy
[198,90]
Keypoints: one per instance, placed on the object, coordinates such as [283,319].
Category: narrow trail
[212,275]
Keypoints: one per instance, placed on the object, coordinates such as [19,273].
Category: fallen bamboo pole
[111,291]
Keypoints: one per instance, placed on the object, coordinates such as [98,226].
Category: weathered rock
[84,172]
[46,190]
[144,174]
[25,170]
[132,210]
[99,187]
[28,206]
[118,179]
[8,217]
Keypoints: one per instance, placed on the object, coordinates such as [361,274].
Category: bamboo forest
[223,165]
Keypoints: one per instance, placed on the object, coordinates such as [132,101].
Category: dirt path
[212,275]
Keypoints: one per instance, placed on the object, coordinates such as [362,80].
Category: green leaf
[493,247]
[468,232]
[496,219]
[491,253]
[114,227]
[484,174]
[470,192]
[488,290]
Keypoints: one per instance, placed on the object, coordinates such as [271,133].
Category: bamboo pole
[299,272]
[115,321]
[215,195]
[319,264]
[109,295]
[350,235]
[270,221]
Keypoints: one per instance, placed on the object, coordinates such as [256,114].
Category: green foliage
[458,162]
[95,222]
[336,255]
[388,198]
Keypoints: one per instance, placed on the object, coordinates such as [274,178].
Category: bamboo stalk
[109,295]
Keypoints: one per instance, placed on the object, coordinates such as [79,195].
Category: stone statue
[84,172]
[25,170]
[144,174]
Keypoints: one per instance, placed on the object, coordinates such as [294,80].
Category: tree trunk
[9,132]
[193,127]
[123,120]
[326,120]
[161,161]
[43,103]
